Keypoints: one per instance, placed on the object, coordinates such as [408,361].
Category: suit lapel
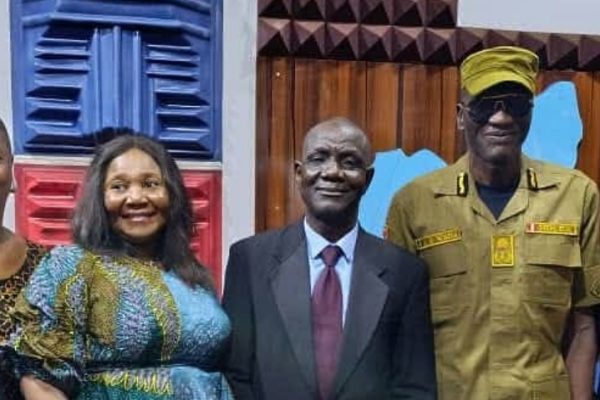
[290,283]
[367,297]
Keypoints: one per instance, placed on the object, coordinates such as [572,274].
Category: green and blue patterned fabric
[101,327]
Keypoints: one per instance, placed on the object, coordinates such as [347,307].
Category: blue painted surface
[556,126]
[393,169]
[555,133]
[82,65]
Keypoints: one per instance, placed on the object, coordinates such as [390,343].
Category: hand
[34,389]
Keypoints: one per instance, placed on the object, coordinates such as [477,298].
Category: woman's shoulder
[35,252]
[63,266]
[65,260]
[72,252]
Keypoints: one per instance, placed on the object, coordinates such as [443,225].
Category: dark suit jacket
[387,352]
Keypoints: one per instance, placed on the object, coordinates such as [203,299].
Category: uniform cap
[488,67]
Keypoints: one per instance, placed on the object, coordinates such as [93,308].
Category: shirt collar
[449,186]
[316,242]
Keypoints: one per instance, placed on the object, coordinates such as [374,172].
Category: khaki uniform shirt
[501,289]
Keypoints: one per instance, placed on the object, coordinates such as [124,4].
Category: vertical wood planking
[450,139]
[407,106]
[264,104]
[588,85]
[412,109]
[307,97]
[341,90]
[421,108]
[307,75]
[382,101]
[280,144]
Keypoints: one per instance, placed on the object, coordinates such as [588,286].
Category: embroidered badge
[503,251]
[550,228]
[435,239]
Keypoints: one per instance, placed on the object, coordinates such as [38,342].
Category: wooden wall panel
[275,140]
[588,92]
[419,110]
[428,110]
[451,142]
[326,89]
[399,105]
[382,97]
[263,121]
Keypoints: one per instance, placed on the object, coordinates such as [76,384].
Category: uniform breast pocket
[551,261]
[447,265]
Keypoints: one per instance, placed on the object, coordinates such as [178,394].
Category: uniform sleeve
[586,291]
[50,319]
[397,228]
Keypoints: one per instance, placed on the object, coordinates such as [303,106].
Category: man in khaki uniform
[512,244]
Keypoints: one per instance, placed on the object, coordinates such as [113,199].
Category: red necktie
[327,320]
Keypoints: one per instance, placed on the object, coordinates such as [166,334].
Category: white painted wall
[239,116]
[558,16]
[5,93]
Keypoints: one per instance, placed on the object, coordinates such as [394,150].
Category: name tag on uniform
[503,251]
[550,228]
[435,239]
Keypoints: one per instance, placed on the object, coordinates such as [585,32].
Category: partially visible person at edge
[512,244]
[18,256]
[126,312]
[321,309]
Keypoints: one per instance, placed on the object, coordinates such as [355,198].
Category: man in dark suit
[321,309]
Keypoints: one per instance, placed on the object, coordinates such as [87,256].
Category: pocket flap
[445,259]
[560,250]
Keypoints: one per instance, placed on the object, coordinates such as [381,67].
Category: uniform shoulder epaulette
[462,184]
[532,181]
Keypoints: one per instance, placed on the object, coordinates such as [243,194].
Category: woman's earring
[13,188]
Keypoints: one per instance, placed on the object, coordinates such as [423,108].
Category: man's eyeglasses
[482,108]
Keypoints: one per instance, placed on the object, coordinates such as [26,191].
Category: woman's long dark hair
[91,226]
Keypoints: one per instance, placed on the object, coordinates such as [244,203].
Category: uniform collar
[533,177]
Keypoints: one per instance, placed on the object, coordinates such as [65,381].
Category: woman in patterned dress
[127,312]
[18,257]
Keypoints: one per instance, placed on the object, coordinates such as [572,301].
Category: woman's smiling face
[136,198]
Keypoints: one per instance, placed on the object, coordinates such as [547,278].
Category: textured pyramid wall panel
[420,31]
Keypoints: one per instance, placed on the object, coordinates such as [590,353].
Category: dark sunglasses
[481,109]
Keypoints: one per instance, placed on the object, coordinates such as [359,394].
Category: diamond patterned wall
[422,31]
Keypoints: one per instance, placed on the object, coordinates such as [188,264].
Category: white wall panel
[553,16]
[5,92]
[239,92]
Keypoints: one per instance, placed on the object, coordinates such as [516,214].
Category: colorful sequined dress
[101,327]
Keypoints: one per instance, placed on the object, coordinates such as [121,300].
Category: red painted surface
[46,197]
[204,189]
